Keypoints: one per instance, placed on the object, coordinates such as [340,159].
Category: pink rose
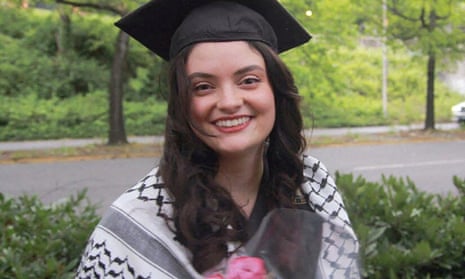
[246,268]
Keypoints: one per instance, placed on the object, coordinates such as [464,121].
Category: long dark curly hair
[205,216]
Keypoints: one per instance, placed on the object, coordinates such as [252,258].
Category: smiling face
[232,108]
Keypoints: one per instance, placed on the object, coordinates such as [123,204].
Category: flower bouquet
[295,244]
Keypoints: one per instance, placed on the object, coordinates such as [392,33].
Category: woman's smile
[233,124]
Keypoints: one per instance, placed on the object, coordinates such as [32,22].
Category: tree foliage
[117,131]
[432,29]
[61,51]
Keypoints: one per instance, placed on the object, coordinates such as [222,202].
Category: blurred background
[67,72]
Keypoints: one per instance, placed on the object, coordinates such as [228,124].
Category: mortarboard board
[167,26]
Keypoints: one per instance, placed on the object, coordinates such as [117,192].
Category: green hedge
[403,232]
[43,241]
[31,117]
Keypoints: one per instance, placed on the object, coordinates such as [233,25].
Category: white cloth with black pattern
[133,240]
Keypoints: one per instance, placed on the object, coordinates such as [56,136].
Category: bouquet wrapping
[295,244]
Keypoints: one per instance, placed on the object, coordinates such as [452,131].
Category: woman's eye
[202,87]
[250,81]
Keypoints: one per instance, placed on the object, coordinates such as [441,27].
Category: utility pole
[384,87]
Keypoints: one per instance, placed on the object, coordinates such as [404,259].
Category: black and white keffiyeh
[133,239]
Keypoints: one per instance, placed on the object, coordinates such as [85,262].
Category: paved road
[431,165]
[53,181]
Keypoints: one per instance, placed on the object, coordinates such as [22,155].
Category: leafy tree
[117,133]
[433,29]
[319,80]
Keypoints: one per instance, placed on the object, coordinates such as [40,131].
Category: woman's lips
[232,124]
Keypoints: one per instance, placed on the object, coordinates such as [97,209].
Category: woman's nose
[230,99]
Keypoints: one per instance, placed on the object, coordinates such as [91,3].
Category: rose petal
[246,268]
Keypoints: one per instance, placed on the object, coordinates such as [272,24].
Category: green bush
[27,71]
[145,118]
[32,64]
[79,116]
[16,22]
[41,241]
[93,37]
[404,232]
[31,117]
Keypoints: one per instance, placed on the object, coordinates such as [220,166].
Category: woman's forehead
[216,56]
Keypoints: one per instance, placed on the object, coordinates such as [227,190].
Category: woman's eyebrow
[236,73]
[248,69]
[199,75]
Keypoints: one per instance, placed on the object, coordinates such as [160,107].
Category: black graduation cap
[167,26]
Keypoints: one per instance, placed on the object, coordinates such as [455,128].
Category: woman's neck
[241,177]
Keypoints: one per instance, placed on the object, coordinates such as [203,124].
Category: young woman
[233,144]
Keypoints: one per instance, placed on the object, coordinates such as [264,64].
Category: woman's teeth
[232,122]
